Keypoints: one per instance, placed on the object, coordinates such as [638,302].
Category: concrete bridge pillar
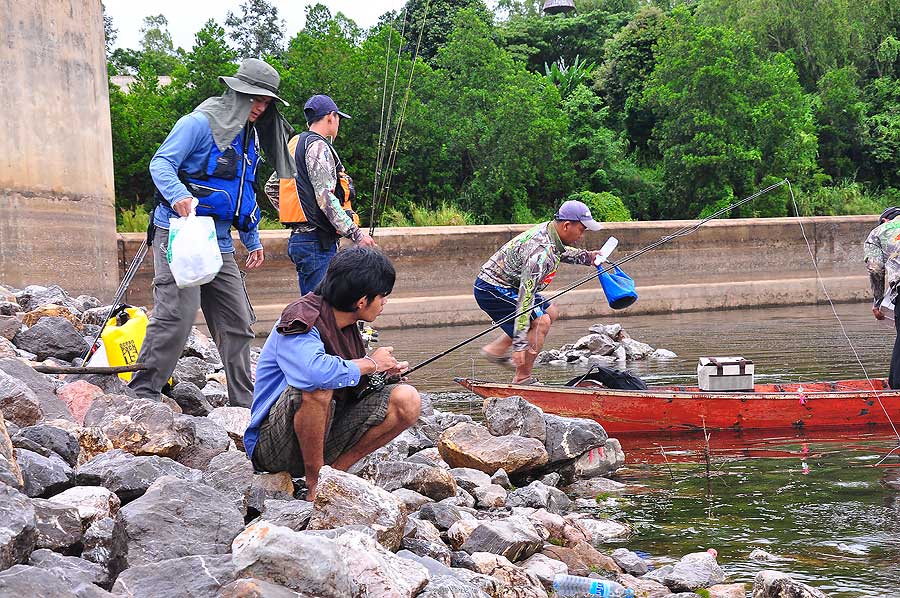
[57,217]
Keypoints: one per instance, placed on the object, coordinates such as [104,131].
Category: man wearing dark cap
[207,165]
[511,280]
[312,209]
[882,251]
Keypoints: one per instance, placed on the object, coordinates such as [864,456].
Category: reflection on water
[813,500]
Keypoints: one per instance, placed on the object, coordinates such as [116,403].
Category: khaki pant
[228,313]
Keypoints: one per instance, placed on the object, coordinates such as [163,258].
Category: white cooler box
[725,373]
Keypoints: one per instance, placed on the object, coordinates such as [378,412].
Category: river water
[815,501]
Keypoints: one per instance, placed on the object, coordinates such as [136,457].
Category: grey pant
[228,314]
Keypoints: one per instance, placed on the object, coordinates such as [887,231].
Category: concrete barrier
[725,264]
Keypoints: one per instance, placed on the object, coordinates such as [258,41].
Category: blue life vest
[226,190]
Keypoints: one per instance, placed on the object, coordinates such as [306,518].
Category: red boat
[821,405]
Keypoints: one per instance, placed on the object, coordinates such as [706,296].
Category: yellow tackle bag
[123,336]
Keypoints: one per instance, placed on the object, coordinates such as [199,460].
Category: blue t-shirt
[187,148]
[298,360]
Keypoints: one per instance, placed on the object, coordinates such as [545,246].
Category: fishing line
[834,311]
[659,242]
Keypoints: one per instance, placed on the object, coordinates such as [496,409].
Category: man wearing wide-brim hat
[209,160]
[882,253]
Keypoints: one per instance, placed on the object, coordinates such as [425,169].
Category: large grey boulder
[176,518]
[61,441]
[526,584]
[538,495]
[514,415]
[468,479]
[52,337]
[301,561]
[232,474]
[434,482]
[412,501]
[71,569]
[24,580]
[9,327]
[200,345]
[472,445]
[774,584]
[34,296]
[344,499]
[256,588]
[292,514]
[600,461]
[233,420]
[490,497]
[570,437]
[58,526]
[601,531]
[130,476]
[379,570]
[191,399]
[193,370]
[447,586]
[91,502]
[514,538]
[630,562]
[442,514]
[139,426]
[195,576]
[544,568]
[210,439]
[44,476]
[18,530]
[693,571]
[18,403]
[421,537]
[106,544]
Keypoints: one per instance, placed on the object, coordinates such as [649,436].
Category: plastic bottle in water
[572,585]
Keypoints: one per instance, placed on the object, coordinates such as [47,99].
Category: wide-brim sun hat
[256,78]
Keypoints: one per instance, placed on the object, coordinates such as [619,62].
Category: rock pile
[105,494]
[607,344]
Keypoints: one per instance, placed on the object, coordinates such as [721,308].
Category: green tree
[109,31]
[841,117]
[728,122]
[157,49]
[434,20]
[258,31]
[197,76]
[883,124]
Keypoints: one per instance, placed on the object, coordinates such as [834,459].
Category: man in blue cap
[313,204]
[511,280]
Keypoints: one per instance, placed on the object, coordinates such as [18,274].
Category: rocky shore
[105,494]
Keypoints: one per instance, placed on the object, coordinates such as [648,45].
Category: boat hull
[828,405]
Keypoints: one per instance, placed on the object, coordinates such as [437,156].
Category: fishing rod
[391,156]
[661,241]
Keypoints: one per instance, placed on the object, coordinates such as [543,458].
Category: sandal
[504,361]
[529,381]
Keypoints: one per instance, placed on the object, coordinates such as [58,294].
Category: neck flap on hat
[227,116]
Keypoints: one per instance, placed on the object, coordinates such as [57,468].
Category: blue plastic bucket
[618,287]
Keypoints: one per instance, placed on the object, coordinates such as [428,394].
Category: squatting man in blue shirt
[210,157]
[313,403]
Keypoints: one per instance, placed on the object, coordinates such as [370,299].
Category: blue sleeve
[250,239]
[184,140]
[306,365]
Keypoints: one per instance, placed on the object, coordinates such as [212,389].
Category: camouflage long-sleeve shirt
[528,263]
[322,170]
[882,251]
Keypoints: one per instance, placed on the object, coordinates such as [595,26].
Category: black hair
[354,273]
[315,119]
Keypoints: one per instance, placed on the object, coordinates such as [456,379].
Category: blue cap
[577,211]
[318,106]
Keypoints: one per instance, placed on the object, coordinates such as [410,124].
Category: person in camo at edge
[882,252]
[212,154]
[511,281]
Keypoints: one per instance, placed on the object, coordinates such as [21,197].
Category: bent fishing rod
[659,242]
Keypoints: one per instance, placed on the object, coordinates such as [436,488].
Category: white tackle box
[724,374]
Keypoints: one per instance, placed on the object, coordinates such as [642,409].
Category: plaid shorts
[277,448]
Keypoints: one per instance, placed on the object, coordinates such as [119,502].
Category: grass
[845,198]
[133,221]
[444,215]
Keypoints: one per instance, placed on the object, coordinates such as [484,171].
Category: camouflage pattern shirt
[882,251]
[322,170]
[528,263]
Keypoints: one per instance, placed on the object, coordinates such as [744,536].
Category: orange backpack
[290,209]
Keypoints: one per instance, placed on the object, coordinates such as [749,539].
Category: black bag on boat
[611,378]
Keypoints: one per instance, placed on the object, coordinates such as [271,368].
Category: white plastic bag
[193,255]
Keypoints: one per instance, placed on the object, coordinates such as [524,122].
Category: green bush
[605,206]
[268,223]
[444,215]
[845,198]
[133,221]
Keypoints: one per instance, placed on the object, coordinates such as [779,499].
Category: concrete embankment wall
[57,221]
[723,265]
